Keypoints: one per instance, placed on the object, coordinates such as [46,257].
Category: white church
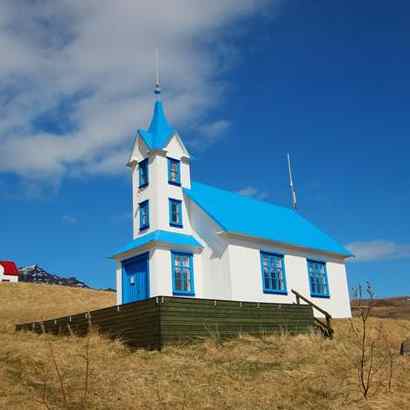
[195,240]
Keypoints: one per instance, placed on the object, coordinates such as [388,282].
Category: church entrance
[135,283]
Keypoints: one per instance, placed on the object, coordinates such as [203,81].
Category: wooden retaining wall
[154,322]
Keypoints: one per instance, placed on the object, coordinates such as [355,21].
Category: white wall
[160,273]
[245,264]
[338,305]
[8,278]
[118,281]
[214,260]
[247,279]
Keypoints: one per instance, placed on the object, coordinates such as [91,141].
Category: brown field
[273,372]
[394,308]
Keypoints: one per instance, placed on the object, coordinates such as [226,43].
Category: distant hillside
[22,302]
[393,308]
[36,274]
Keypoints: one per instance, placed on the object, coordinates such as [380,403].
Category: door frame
[145,256]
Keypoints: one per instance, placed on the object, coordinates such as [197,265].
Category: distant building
[195,240]
[8,272]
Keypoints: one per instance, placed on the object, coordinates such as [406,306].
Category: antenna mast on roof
[157,83]
[291,184]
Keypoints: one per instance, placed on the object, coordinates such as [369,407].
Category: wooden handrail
[298,295]
[326,327]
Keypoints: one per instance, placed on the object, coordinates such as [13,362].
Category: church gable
[139,151]
[176,148]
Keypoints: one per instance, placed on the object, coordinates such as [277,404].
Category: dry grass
[26,302]
[275,372]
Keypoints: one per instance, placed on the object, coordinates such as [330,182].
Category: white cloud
[376,250]
[70,220]
[212,132]
[253,193]
[88,65]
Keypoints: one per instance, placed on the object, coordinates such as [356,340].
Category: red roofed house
[8,272]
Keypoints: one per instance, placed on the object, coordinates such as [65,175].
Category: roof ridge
[262,219]
[247,197]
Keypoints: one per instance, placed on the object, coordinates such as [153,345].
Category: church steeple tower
[160,166]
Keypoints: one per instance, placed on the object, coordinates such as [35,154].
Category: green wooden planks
[161,320]
[136,324]
[198,318]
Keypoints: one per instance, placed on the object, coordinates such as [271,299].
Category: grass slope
[275,372]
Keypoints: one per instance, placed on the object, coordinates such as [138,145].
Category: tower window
[175,213]
[319,286]
[143,173]
[273,273]
[144,215]
[174,171]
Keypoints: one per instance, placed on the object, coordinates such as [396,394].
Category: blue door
[135,279]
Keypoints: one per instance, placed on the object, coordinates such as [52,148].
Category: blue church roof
[238,214]
[159,131]
[170,238]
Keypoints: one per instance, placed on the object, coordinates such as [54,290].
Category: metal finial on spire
[157,83]
[291,185]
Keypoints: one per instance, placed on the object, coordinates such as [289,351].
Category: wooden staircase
[325,327]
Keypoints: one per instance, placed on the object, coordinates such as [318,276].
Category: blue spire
[159,131]
[159,124]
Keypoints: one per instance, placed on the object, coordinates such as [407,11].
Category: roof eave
[155,243]
[305,249]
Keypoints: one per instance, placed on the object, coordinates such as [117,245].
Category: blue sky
[244,82]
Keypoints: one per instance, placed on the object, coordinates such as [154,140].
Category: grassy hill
[275,372]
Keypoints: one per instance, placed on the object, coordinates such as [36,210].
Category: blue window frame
[175,213]
[319,286]
[144,215]
[182,274]
[143,173]
[273,273]
[174,171]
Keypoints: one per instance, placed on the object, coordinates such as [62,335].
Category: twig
[87,372]
[44,396]
[59,375]
[366,364]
